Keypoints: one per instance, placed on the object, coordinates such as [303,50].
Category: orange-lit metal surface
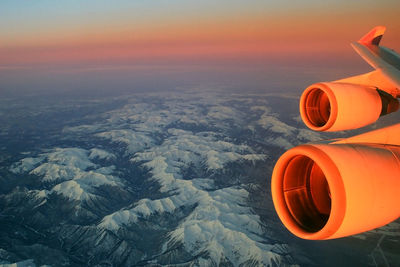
[339,106]
[374,36]
[330,191]
[387,135]
[352,185]
[375,79]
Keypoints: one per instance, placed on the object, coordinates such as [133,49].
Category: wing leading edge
[383,59]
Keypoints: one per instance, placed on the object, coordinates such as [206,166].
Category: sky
[56,41]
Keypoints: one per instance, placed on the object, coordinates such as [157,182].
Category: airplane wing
[337,189]
[379,57]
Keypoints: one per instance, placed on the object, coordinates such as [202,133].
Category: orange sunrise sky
[135,31]
[48,43]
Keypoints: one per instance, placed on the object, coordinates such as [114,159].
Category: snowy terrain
[154,179]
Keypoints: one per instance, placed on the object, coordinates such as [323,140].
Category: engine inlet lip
[309,92]
[335,183]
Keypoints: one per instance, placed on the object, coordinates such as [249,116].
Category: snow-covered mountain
[177,178]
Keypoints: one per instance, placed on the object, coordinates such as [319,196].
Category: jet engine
[345,186]
[335,106]
[325,191]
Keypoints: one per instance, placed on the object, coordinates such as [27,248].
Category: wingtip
[374,36]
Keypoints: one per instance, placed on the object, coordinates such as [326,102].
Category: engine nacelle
[336,106]
[325,191]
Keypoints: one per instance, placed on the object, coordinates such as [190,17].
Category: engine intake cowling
[329,191]
[334,106]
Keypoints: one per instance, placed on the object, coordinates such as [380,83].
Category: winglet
[374,36]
